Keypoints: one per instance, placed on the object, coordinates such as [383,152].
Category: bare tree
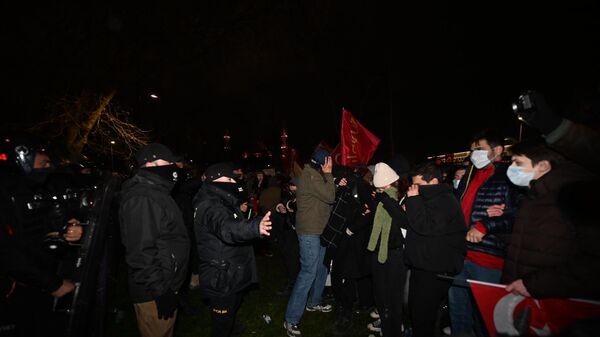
[95,123]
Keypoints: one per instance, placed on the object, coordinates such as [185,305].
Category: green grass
[259,301]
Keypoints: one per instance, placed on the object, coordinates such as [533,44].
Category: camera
[524,104]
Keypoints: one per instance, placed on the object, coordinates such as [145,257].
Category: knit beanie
[384,175]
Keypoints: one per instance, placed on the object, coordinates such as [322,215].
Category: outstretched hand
[540,115]
[265,225]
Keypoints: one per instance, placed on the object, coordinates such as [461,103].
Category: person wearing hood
[224,243]
[156,240]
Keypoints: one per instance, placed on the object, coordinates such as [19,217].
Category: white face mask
[480,159]
[455,183]
[518,177]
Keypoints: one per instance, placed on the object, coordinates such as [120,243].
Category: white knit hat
[384,175]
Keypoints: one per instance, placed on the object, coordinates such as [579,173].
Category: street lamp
[112,161]
[153,96]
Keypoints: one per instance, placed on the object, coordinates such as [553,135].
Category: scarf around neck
[382,225]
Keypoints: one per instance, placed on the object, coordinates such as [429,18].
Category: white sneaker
[320,307]
[292,330]
[375,326]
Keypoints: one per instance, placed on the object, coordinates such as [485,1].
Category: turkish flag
[358,143]
[508,314]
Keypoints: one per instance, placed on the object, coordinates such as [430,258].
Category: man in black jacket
[223,237]
[156,240]
[435,244]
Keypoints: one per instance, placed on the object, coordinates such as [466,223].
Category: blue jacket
[496,190]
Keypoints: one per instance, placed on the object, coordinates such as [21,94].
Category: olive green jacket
[315,198]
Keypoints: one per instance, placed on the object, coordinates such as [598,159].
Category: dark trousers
[344,292]
[287,243]
[388,287]
[364,289]
[222,313]
[425,295]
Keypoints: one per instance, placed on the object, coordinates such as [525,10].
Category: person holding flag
[553,250]
[551,267]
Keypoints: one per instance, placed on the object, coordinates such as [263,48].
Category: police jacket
[25,220]
[155,237]
[223,236]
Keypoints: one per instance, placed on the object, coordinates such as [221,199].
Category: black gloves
[166,304]
[381,197]
[539,115]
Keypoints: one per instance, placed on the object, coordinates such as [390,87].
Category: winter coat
[223,236]
[155,237]
[315,197]
[496,190]
[554,245]
[577,142]
[22,255]
[399,220]
[349,252]
[435,240]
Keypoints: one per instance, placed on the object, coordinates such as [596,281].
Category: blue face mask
[455,183]
[518,177]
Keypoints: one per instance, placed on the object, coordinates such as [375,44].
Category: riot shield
[87,311]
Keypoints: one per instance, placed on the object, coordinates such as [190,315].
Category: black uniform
[29,271]
[227,263]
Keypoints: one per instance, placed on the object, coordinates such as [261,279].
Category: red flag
[501,309]
[358,143]
[336,155]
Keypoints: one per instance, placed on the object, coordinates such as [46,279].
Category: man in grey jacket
[156,241]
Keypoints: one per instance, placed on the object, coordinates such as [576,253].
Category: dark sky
[442,71]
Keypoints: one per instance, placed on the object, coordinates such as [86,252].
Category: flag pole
[446,277]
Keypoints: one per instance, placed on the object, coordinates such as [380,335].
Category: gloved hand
[381,197]
[166,304]
[541,116]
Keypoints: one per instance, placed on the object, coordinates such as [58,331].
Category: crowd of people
[398,240]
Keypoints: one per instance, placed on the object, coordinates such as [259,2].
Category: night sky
[422,76]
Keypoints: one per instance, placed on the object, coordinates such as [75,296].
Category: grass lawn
[259,301]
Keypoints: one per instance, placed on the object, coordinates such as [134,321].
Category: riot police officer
[35,237]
